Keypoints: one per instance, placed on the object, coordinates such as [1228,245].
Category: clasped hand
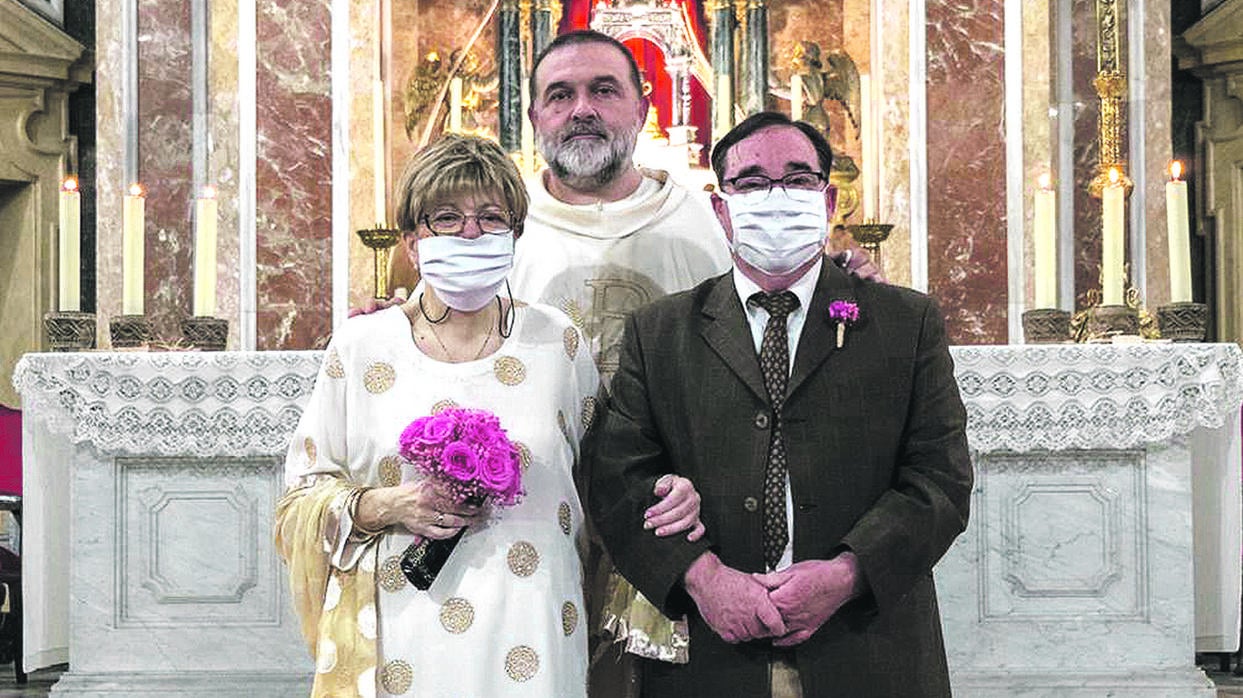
[788,606]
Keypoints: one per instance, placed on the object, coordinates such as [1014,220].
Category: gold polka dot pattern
[523,559]
[379,377]
[564,426]
[311,452]
[571,342]
[589,412]
[521,663]
[442,406]
[396,677]
[457,614]
[332,365]
[563,517]
[524,455]
[392,579]
[390,471]
[509,370]
[569,618]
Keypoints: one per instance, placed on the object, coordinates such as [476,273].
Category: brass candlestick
[870,234]
[381,240]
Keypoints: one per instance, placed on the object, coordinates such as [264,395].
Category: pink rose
[438,429]
[460,461]
[499,473]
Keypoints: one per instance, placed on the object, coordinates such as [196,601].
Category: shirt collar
[803,288]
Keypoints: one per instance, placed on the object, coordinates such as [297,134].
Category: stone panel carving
[1064,536]
[171,568]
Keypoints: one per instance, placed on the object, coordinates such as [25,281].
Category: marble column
[293,175]
[966,156]
[757,56]
[541,27]
[723,24]
[509,68]
[165,162]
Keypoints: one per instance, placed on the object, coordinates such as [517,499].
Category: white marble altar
[173,464]
[1075,576]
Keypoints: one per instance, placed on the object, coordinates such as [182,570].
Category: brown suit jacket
[878,463]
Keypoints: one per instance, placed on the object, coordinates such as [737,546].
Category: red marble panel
[165,167]
[293,174]
[967,168]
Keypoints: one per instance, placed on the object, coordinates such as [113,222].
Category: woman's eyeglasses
[454,222]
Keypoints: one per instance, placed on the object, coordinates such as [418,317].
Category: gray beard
[589,165]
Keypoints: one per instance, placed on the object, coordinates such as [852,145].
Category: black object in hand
[422,561]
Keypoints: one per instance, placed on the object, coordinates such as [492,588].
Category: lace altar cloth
[1083,396]
[1018,398]
[170,403]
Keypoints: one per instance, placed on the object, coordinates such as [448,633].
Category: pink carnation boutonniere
[845,314]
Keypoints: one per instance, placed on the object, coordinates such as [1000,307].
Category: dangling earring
[505,321]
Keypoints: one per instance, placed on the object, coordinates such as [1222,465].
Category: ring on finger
[440,518]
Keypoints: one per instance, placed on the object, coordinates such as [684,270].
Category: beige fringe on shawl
[631,619]
[337,608]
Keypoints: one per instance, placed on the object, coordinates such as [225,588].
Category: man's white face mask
[466,273]
[780,230]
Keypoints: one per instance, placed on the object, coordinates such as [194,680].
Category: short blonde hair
[457,165]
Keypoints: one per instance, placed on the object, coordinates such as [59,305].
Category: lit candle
[1179,235]
[70,246]
[380,160]
[455,105]
[528,131]
[133,222]
[205,211]
[1045,245]
[796,97]
[1112,250]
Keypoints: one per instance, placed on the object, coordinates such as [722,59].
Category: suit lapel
[818,339]
[726,331]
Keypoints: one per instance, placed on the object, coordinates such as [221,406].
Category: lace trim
[170,403]
[1024,398]
[1018,398]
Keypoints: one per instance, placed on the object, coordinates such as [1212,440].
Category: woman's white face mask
[466,273]
[780,230]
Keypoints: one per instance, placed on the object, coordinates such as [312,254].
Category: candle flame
[432,57]
[1176,170]
[70,184]
[136,189]
[1114,175]
[209,192]
[1045,181]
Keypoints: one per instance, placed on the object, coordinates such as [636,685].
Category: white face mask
[780,230]
[466,273]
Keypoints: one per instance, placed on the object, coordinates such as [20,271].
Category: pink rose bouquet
[469,452]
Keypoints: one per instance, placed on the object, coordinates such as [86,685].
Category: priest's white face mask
[466,273]
[780,230]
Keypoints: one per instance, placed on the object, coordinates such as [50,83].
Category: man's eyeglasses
[806,181]
[454,222]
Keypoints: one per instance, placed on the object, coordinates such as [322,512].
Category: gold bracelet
[352,507]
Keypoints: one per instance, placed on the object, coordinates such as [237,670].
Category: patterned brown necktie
[775,364]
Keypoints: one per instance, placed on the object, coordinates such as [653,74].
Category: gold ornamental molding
[1111,89]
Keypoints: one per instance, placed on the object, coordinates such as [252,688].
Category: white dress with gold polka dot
[505,617]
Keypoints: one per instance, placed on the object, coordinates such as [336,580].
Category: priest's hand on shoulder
[808,593]
[733,603]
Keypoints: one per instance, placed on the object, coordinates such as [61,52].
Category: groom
[819,418]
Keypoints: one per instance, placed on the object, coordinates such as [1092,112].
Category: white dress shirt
[757,318]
